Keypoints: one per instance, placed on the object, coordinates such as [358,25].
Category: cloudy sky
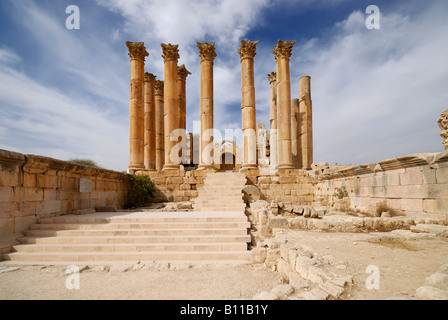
[376,94]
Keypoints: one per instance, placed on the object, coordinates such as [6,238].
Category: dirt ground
[403,268]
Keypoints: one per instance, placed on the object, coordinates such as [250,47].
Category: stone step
[74,220]
[151,247]
[127,257]
[147,226]
[135,239]
[134,232]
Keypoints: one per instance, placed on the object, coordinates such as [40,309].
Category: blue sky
[376,94]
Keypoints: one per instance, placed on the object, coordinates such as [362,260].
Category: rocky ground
[332,266]
[302,253]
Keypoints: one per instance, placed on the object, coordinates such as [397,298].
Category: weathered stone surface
[438,230]
[264,295]
[314,294]
[296,281]
[283,268]
[333,290]
[121,267]
[430,293]
[251,194]
[278,222]
[298,223]
[443,269]
[8,269]
[258,255]
[438,280]
[282,291]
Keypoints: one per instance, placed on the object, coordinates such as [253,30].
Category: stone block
[393,178]
[6,225]
[411,177]
[412,205]
[430,293]
[258,255]
[51,206]
[442,175]
[283,291]
[47,181]
[438,191]
[430,205]
[6,194]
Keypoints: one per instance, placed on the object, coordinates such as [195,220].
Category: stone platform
[132,237]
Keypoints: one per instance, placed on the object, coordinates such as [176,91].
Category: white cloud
[377,94]
[33,114]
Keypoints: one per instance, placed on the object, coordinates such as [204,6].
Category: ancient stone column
[247,54]
[137,52]
[443,125]
[296,144]
[273,120]
[182,74]
[282,52]
[170,57]
[160,125]
[306,126]
[150,123]
[208,55]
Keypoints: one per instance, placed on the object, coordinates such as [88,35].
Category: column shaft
[306,112]
[137,52]
[273,121]
[296,145]
[160,125]
[207,54]
[247,54]
[282,54]
[182,74]
[171,116]
[150,123]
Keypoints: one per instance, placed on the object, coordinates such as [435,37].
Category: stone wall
[410,185]
[288,186]
[34,187]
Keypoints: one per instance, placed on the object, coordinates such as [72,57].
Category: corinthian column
[170,57]
[150,122]
[247,54]
[282,52]
[182,74]
[208,55]
[137,52]
[160,126]
[306,131]
[273,119]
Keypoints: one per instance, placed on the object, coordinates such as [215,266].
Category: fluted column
[182,74]
[208,55]
[282,52]
[296,144]
[160,125]
[306,112]
[150,123]
[273,120]
[138,53]
[170,57]
[247,54]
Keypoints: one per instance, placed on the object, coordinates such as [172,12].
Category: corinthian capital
[272,77]
[149,77]
[207,51]
[182,72]
[159,87]
[283,49]
[443,124]
[170,52]
[137,50]
[247,49]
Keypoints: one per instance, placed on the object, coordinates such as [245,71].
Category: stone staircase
[110,238]
[221,192]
